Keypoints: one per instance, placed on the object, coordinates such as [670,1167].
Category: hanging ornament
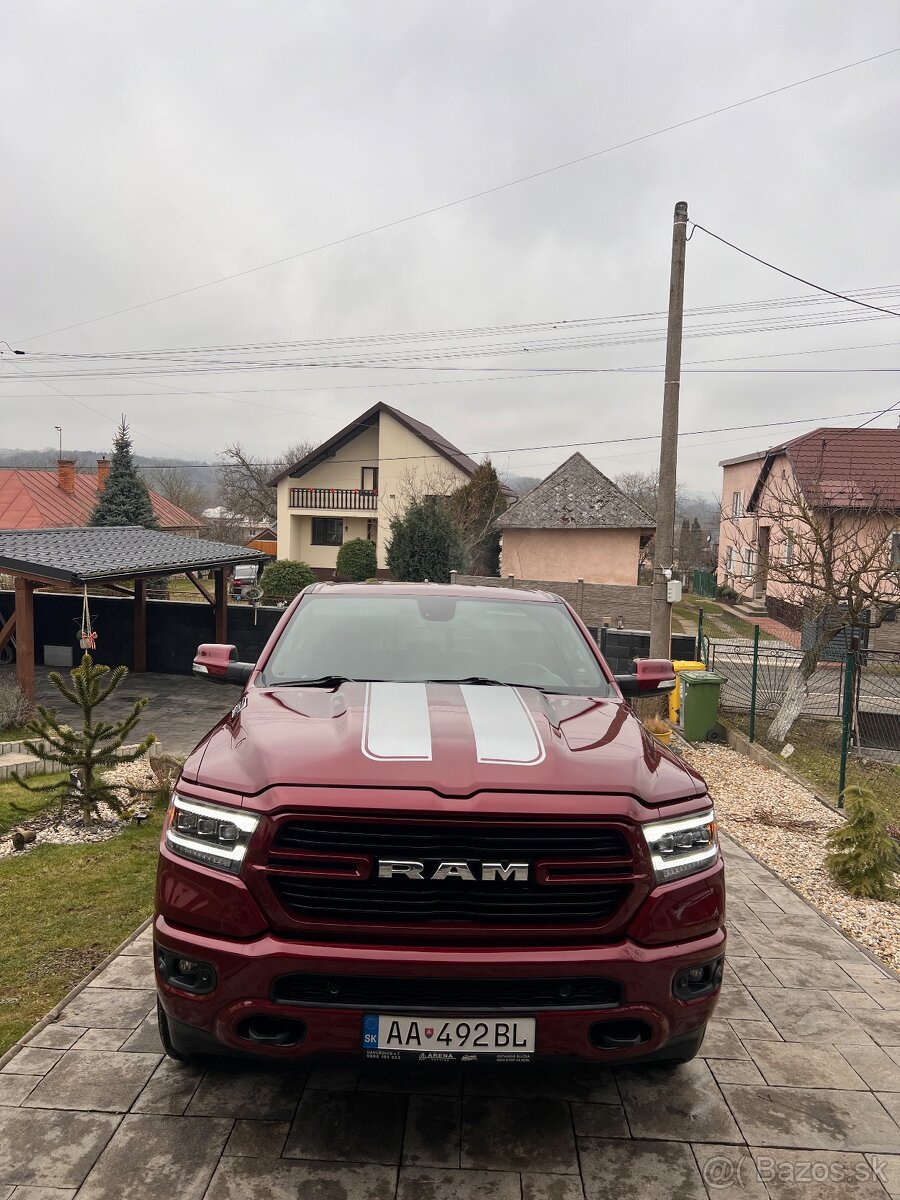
[87,638]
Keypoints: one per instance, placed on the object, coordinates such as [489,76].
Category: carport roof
[113,552]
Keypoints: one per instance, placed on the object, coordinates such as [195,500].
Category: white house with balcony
[355,482]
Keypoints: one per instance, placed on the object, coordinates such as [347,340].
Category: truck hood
[450,739]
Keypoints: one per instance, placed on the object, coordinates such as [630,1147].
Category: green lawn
[719,621]
[14,734]
[62,910]
[817,756]
[16,804]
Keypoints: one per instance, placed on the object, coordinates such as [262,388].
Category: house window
[748,564]
[895,549]
[788,549]
[729,560]
[737,505]
[372,531]
[369,479]
[327,531]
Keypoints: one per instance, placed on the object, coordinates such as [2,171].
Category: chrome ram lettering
[487,872]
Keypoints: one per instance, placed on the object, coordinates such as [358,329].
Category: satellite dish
[253,594]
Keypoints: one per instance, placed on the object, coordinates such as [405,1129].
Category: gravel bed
[784,826]
[68,829]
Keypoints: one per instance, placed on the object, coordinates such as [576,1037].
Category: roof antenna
[58,429]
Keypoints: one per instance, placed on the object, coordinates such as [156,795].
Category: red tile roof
[843,468]
[34,500]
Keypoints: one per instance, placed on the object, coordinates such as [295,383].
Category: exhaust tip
[619,1035]
[264,1030]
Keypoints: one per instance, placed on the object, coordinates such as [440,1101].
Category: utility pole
[660,609]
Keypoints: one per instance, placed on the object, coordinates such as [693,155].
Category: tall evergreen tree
[474,507]
[125,499]
[425,543]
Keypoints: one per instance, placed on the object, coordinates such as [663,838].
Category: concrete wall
[596,603]
[594,555]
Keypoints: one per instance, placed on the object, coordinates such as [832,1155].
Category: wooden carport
[111,556]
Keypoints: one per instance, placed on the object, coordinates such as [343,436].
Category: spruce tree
[863,856]
[89,751]
[474,507]
[125,499]
[425,544]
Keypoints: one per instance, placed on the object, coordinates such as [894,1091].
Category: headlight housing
[216,836]
[682,846]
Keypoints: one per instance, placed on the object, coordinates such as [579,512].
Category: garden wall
[595,603]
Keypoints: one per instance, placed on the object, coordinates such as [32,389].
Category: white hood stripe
[396,723]
[504,729]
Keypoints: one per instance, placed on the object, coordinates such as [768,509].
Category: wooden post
[221,606]
[140,625]
[25,635]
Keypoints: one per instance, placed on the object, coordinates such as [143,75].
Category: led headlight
[682,846]
[205,833]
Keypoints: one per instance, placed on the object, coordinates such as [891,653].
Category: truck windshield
[435,638]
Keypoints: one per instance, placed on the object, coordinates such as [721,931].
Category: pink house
[576,524]
[828,494]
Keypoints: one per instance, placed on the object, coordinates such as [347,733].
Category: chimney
[65,474]
[102,472]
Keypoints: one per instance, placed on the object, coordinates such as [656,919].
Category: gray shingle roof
[576,496]
[112,552]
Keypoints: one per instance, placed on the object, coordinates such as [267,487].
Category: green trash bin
[700,703]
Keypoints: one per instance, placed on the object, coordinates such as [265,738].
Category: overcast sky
[152,147]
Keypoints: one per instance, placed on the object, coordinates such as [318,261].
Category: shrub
[728,594]
[14,706]
[863,857]
[282,580]
[425,544]
[357,559]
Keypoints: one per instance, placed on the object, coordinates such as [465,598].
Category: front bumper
[245,971]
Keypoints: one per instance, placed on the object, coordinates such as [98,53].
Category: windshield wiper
[479,680]
[323,681]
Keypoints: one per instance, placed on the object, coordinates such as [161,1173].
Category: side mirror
[219,664]
[650,675]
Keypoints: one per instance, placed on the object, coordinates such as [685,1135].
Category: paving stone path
[797,1094]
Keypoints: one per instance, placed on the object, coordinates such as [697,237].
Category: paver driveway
[800,1076]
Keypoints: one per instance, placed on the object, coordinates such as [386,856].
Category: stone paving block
[258,1139]
[823,1175]
[738,946]
[334,1076]
[883,1027]
[115,1008]
[808,1015]
[683,1105]
[887,994]
[806,973]
[94,1080]
[600,1121]
[639,1170]
[32,1060]
[887,1167]
[410,1077]
[26,1192]
[14,1088]
[730,1172]
[891,1101]
[734,1070]
[812,1118]
[722,1042]
[570,1081]
[751,971]
[57,1037]
[169,1089]
[855,1001]
[278,1179]
[518,1135]
[875,1065]
[127,971]
[755,1030]
[433,1132]
[551,1187]
[142,944]
[419,1183]
[158,1158]
[51,1149]
[103,1039]
[236,1089]
[145,1039]
[348,1127]
[795,942]
[736,1001]
[798,1064]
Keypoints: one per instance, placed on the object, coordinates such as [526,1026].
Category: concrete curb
[79,987]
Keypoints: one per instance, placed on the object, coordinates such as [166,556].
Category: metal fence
[875,726]
[703,583]
[757,675]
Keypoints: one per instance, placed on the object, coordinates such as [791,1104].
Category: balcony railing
[342,499]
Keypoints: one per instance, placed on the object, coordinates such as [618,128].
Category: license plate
[505,1039]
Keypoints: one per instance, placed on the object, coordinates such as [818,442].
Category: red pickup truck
[432,826]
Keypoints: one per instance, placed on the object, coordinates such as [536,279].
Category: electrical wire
[464,199]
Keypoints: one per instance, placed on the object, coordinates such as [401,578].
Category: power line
[466,199]
[798,278]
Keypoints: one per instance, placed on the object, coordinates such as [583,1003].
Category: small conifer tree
[425,544]
[90,750]
[124,499]
[357,559]
[863,857]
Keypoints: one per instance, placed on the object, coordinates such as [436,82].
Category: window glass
[327,531]
[417,638]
